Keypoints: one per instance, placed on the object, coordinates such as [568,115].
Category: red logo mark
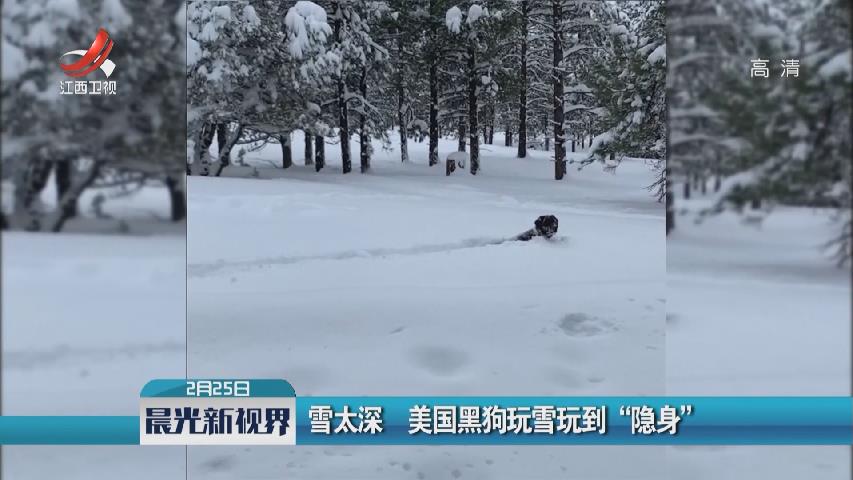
[92,59]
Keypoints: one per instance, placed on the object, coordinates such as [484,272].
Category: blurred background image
[93,209]
[758,207]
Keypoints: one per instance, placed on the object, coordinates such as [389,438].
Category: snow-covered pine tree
[219,76]
[94,141]
[478,30]
[793,129]
[627,82]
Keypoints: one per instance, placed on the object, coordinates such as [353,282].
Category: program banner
[217,412]
[574,420]
[268,412]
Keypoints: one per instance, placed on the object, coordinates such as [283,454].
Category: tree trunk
[363,136]
[34,179]
[58,221]
[508,138]
[433,91]
[433,112]
[343,115]
[226,147]
[492,125]
[177,197]
[401,106]
[557,77]
[463,141]
[755,203]
[201,152]
[473,127]
[522,99]
[221,137]
[687,188]
[286,151]
[309,149]
[670,207]
[64,173]
[320,147]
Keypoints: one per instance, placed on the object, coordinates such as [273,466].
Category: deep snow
[386,284]
[756,308]
[88,319]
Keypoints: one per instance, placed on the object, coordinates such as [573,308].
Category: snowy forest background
[94,233]
[551,75]
[110,163]
[753,144]
[758,217]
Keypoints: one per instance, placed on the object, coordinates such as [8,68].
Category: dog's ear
[539,223]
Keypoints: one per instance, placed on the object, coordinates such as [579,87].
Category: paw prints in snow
[440,360]
[583,325]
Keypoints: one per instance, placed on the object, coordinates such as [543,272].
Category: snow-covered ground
[756,309]
[387,284]
[87,320]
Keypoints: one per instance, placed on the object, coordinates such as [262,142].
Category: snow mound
[14,61]
[475,13]
[115,15]
[839,64]
[453,19]
[657,55]
[304,21]
[461,158]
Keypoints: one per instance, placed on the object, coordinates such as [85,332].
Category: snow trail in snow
[204,269]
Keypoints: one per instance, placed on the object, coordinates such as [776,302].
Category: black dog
[544,226]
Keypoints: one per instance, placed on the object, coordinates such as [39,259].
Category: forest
[553,75]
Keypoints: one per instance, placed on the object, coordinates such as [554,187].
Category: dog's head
[546,225]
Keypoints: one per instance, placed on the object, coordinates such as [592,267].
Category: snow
[222,11]
[115,15]
[67,8]
[419,124]
[209,32]
[181,17]
[756,308]
[475,12]
[251,15]
[87,320]
[600,140]
[839,64]
[461,158]
[14,61]
[41,34]
[304,21]
[657,55]
[458,156]
[390,284]
[194,53]
[767,31]
[453,19]
[619,30]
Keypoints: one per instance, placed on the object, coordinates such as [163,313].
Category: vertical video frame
[427,197]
